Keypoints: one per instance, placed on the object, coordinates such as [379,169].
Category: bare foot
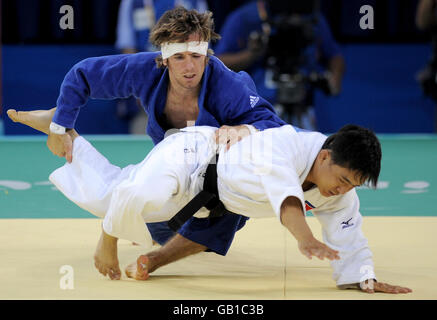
[105,257]
[138,270]
[37,119]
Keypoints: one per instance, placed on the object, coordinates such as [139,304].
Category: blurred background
[327,63]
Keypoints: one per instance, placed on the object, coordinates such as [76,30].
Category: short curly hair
[178,24]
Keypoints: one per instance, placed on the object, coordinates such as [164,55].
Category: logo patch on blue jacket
[253,100]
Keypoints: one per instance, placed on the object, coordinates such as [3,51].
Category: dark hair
[358,149]
[178,24]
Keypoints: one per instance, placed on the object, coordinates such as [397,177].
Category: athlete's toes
[131,270]
[12,114]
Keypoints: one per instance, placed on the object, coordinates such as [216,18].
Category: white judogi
[269,166]
[254,178]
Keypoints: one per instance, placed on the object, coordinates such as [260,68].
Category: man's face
[186,68]
[332,179]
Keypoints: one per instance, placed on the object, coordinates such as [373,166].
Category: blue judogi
[225,97]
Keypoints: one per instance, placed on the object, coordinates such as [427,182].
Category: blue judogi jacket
[226,97]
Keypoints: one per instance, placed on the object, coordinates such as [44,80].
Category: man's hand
[230,135]
[334,83]
[105,257]
[292,217]
[61,145]
[312,247]
[371,286]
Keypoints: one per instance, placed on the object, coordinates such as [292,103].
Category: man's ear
[165,62]
[325,154]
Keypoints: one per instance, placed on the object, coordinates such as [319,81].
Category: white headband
[169,49]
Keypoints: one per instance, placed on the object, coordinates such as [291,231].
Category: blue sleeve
[239,102]
[329,47]
[107,77]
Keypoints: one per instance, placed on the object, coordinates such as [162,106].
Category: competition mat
[44,238]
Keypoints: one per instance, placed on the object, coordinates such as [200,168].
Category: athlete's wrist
[58,129]
[251,128]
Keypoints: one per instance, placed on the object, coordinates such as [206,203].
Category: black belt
[207,198]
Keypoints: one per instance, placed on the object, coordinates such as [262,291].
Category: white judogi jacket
[254,178]
[269,166]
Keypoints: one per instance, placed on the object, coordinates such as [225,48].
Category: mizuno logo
[346,224]
[253,100]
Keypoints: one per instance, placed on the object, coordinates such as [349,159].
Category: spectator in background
[135,20]
[426,20]
[240,48]
[222,8]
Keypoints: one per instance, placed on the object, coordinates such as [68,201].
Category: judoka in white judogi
[255,176]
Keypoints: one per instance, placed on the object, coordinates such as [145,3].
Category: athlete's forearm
[293,219]
[105,78]
[238,61]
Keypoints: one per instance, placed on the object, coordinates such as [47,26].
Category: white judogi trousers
[151,191]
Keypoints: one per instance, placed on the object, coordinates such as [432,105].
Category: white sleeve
[280,184]
[125,32]
[341,228]
[278,169]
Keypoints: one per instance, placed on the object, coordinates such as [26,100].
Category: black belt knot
[208,198]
